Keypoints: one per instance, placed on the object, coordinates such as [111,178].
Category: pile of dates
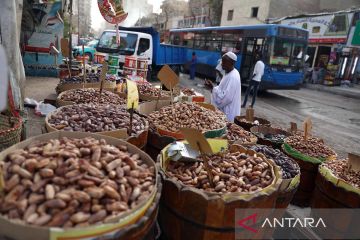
[340,169]
[95,118]
[237,133]
[90,78]
[313,147]
[188,92]
[73,182]
[232,171]
[149,90]
[288,166]
[187,115]
[91,95]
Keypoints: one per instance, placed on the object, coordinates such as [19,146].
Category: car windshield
[127,45]
[92,43]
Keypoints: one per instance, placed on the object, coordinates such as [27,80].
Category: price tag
[65,47]
[104,70]
[197,140]
[250,114]
[293,127]
[307,128]
[218,145]
[168,77]
[354,162]
[132,95]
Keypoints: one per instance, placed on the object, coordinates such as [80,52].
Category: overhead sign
[112,11]
[332,28]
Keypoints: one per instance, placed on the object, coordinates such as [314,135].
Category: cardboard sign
[307,128]
[103,75]
[208,106]
[354,162]
[132,95]
[65,47]
[197,140]
[168,77]
[250,114]
[4,81]
[293,127]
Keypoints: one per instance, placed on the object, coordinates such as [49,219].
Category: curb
[336,91]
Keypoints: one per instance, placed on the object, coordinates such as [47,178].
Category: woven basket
[10,131]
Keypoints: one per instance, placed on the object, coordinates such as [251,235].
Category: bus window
[281,52]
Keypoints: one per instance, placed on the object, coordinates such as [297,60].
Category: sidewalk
[350,92]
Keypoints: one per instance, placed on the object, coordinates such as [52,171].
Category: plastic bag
[44,109]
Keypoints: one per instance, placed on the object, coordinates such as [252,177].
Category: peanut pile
[95,118]
[91,95]
[340,169]
[288,166]
[237,133]
[188,92]
[73,182]
[187,115]
[233,172]
[313,147]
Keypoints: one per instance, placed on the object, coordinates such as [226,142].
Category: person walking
[193,66]
[255,80]
[227,96]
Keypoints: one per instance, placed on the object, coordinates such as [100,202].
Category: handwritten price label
[132,95]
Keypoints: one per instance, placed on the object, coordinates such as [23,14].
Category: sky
[98,20]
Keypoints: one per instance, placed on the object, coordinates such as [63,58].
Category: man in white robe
[227,96]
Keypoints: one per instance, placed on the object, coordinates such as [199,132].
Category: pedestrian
[193,66]
[255,80]
[227,96]
[219,72]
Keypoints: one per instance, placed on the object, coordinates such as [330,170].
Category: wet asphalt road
[335,118]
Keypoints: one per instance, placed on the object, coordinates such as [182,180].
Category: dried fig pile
[95,118]
[237,133]
[187,115]
[341,170]
[288,166]
[73,182]
[313,147]
[91,95]
[233,172]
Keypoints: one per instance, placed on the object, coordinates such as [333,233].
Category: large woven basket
[10,131]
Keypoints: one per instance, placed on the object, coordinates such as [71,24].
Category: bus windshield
[107,43]
[286,52]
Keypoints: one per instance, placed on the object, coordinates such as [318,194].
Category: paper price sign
[132,95]
[168,77]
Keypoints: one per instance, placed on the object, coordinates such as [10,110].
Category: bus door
[252,46]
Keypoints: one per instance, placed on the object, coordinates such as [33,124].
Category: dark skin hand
[227,64]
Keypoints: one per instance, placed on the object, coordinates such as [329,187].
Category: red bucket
[130,62]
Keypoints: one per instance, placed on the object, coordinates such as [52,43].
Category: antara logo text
[282,222]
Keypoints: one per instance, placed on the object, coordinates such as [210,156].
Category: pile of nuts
[288,166]
[73,182]
[237,133]
[187,115]
[95,118]
[91,95]
[313,147]
[233,172]
[341,170]
[188,92]
[149,90]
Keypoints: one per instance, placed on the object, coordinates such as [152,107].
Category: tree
[215,12]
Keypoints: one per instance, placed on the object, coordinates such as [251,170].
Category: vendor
[227,96]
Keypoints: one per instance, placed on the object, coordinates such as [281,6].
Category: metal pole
[70,34]
[78,22]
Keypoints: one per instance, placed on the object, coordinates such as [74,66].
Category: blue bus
[283,49]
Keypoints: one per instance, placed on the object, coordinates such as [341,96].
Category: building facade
[248,12]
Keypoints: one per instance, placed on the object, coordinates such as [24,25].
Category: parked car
[89,49]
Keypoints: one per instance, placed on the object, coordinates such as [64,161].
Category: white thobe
[227,96]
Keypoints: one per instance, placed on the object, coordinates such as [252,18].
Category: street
[335,118]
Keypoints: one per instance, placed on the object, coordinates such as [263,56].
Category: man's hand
[208,84]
